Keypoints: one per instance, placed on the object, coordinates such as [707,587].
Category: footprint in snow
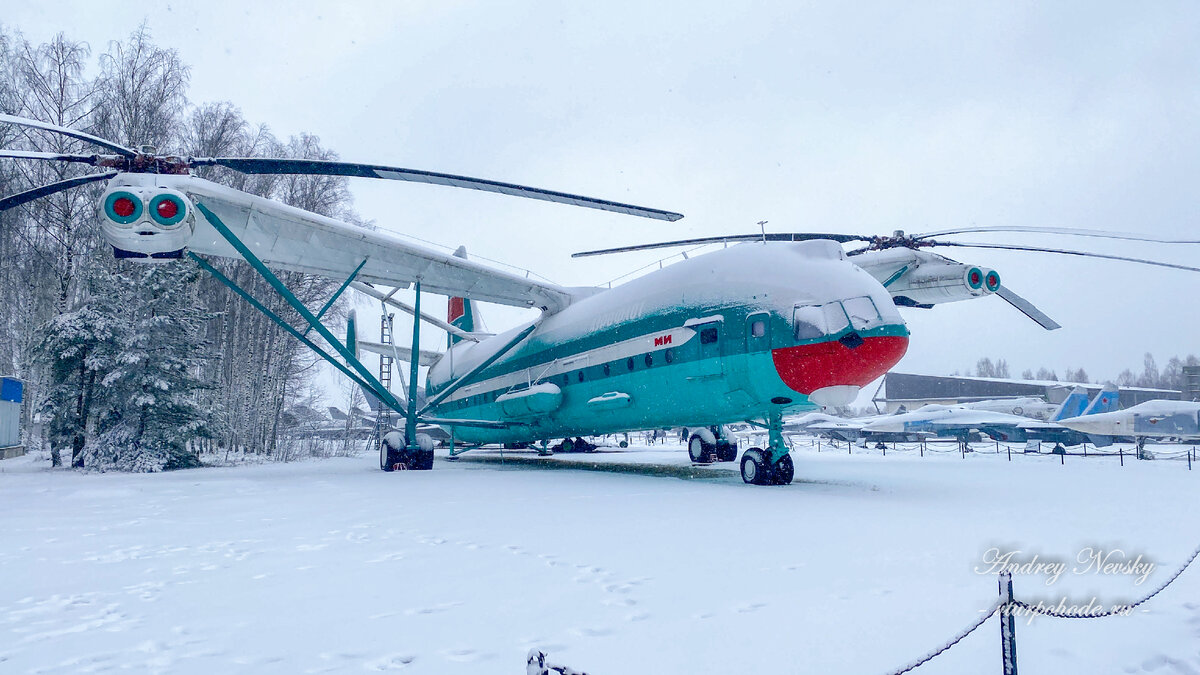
[393,662]
[752,607]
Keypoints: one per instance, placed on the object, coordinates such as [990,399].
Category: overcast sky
[843,117]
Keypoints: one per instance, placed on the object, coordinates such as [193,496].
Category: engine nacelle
[146,222]
[931,284]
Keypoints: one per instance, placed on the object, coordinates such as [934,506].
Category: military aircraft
[778,323]
[1152,419]
[958,421]
[1075,405]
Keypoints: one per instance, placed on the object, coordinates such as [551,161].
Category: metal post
[410,422]
[1121,454]
[1008,625]
[1009,448]
[1062,457]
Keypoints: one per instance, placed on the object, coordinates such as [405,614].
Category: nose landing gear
[774,465]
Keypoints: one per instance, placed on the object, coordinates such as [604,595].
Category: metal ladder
[383,420]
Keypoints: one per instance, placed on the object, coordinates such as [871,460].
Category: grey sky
[850,117]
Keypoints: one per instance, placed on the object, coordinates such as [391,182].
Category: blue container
[11,389]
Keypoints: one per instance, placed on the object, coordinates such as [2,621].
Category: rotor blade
[46,190]
[1027,308]
[51,156]
[25,122]
[770,236]
[255,165]
[1062,251]
[1100,234]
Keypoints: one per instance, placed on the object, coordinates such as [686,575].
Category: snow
[648,565]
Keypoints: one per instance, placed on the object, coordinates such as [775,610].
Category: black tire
[699,450]
[754,467]
[784,471]
[726,451]
[567,445]
[389,457]
[423,460]
[623,444]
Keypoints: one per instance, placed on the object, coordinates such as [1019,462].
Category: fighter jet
[1152,419]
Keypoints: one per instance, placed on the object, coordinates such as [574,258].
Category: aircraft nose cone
[808,368]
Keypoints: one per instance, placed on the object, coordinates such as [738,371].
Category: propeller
[1101,234]
[146,161]
[769,236]
[900,240]
[27,196]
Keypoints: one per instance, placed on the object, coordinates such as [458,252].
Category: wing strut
[364,377]
[470,374]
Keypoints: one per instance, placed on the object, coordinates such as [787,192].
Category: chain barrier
[951,642]
[1118,609]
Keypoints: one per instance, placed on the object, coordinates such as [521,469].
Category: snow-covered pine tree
[149,415]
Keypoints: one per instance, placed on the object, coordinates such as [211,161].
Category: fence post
[1008,625]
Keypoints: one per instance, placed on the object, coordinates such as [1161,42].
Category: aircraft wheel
[785,470]
[624,444]
[567,445]
[699,450]
[726,451]
[423,460]
[754,467]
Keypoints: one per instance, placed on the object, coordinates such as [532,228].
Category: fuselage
[1152,419]
[719,338]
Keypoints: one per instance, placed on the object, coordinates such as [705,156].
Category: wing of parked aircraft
[298,240]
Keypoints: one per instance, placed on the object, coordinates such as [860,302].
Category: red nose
[807,368]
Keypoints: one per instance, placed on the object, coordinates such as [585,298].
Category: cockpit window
[815,321]
[810,323]
[862,312]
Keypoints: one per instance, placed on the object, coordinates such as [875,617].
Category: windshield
[815,321]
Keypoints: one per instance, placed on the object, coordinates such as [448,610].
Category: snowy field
[650,566]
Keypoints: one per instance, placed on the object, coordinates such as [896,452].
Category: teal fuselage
[682,349]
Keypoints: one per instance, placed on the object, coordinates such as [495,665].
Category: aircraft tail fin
[461,312]
[1072,406]
[1105,401]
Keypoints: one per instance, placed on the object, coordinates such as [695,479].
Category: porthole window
[669,356]
[566,379]
[629,363]
[708,335]
[758,328]
[581,376]
[606,370]
[649,360]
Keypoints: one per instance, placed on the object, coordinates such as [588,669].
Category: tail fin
[1105,401]
[1072,406]
[460,312]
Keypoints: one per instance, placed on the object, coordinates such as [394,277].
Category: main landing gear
[396,455]
[772,466]
[705,447]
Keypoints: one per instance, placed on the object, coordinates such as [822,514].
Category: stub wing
[297,240]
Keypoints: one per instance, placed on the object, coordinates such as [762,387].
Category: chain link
[1118,609]
[953,641]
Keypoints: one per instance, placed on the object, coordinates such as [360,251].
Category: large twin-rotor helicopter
[775,324]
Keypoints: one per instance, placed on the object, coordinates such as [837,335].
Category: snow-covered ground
[650,566]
